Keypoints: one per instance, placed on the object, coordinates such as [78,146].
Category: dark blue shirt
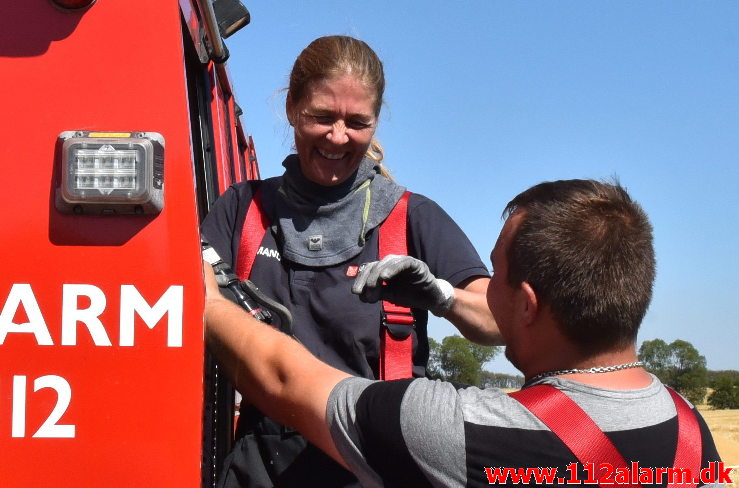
[328,319]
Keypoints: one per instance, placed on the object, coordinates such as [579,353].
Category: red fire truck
[122,130]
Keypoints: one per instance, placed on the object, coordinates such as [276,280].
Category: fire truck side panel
[237,159]
[101,330]
[221,131]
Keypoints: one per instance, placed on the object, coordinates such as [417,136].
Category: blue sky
[485,98]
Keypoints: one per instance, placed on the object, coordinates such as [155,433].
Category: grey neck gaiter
[326,225]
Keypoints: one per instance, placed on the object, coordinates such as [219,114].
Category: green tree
[433,368]
[656,357]
[678,365]
[500,380]
[714,375]
[725,393]
[458,360]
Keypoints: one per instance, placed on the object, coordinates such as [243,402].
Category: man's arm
[277,374]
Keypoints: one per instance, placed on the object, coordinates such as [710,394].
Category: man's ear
[530,303]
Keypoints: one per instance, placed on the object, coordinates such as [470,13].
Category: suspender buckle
[399,321]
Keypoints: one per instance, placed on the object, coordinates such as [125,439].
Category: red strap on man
[396,340]
[589,444]
[689,443]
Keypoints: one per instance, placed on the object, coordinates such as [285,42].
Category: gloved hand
[408,283]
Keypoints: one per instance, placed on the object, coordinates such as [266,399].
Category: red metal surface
[221,130]
[136,410]
[192,19]
[236,161]
[253,163]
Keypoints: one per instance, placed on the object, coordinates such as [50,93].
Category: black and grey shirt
[428,433]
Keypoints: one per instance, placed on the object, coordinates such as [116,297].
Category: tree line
[677,364]
[460,361]
[680,365]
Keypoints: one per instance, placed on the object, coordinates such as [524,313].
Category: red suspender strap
[396,341]
[689,442]
[589,444]
[255,226]
[571,424]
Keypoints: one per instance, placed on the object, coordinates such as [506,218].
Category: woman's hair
[332,56]
[376,153]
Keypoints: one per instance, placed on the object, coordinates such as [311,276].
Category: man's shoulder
[619,410]
[383,428]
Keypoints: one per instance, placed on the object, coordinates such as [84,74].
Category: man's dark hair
[585,247]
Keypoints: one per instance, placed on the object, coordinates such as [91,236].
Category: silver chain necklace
[596,369]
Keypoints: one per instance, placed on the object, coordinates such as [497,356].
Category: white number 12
[49,428]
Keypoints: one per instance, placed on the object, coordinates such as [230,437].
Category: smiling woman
[324,216]
[334,125]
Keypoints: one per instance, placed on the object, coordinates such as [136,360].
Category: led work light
[111,173]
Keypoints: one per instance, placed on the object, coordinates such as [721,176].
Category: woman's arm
[436,239]
[471,314]
[408,282]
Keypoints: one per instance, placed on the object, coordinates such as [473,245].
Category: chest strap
[255,226]
[396,340]
[589,444]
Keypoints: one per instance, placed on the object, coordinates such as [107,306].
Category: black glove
[408,283]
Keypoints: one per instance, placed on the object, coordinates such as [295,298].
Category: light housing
[111,173]
[231,16]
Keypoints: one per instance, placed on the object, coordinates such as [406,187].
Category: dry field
[724,425]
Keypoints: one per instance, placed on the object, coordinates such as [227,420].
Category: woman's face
[334,123]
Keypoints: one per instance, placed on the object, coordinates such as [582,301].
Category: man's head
[583,249]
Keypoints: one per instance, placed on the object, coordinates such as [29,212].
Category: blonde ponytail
[376,153]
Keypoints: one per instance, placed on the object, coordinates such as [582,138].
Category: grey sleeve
[408,432]
[341,417]
[433,427]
